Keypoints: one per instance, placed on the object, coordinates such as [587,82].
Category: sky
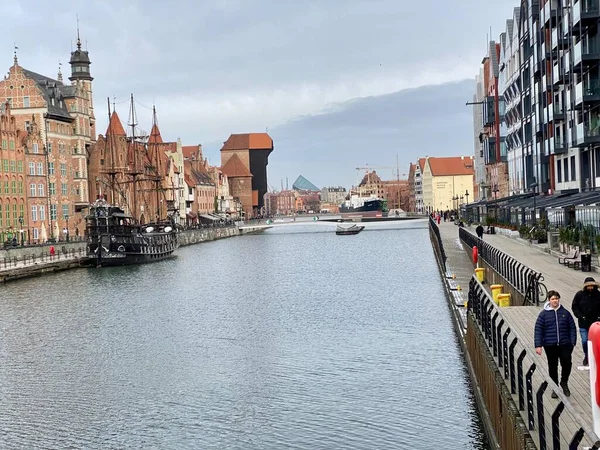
[305,70]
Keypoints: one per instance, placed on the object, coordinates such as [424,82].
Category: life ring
[475,255]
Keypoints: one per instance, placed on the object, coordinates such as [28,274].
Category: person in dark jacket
[479,231]
[586,307]
[556,333]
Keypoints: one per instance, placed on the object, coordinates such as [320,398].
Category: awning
[191,215]
[209,217]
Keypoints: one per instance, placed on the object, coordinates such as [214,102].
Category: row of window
[34,168]
[10,214]
[36,190]
[562,170]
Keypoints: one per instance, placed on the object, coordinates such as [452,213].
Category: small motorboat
[354,229]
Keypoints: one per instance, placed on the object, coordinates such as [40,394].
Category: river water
[295,338]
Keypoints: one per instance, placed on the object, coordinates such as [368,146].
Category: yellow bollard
[503,300]
[480,273]
[496,289]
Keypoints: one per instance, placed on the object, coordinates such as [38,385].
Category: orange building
[244,159]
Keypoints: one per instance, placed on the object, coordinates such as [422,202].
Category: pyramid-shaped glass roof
[302,184]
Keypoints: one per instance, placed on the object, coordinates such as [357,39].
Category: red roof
[248,141]
[234,167]
[453,165]
[155,137]
[189,151]
[115,128]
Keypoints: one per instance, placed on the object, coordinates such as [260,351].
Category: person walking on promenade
[556,333]
[586,307]
[479,231]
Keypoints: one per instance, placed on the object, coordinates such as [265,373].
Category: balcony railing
[559,142]
[585,48]
[584,7]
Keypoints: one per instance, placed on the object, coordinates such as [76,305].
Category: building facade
[244,159]
[447,182]
[333,195]
[62,116]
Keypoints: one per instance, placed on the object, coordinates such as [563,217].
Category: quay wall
[32,260]
[500,416]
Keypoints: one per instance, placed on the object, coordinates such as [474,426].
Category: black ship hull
[118,253]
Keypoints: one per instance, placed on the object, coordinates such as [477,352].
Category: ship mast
[134,167]
[112,171]
[156,162]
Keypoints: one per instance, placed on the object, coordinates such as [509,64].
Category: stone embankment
[31,260]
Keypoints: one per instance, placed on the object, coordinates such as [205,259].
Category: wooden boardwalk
[565,280]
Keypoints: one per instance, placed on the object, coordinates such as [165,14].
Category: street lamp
[21,230]
[67,221]
[467,204]
[533,187]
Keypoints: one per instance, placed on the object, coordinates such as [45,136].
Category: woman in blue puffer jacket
[556,333]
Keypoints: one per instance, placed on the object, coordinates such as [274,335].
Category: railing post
[540,413]
[520,382]
[529,384]
[511,360]
[556,425]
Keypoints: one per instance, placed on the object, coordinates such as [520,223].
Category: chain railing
[528,384]
[522,278]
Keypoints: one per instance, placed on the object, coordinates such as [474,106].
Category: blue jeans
[584,338]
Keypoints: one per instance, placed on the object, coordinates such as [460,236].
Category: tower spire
[78,40]
[59,77]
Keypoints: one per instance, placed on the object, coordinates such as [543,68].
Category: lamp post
[467,204]
[21,230]
[533,187]
[67,229]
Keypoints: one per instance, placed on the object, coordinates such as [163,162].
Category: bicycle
[536,290]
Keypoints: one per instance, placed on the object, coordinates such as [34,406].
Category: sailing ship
[115,234]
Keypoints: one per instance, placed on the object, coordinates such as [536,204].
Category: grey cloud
[326,148]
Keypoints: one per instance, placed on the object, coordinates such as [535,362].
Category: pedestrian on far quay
[479,231]
[556,334]
[586,307]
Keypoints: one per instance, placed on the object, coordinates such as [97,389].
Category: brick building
[244,159]
[136,175]
[60,120]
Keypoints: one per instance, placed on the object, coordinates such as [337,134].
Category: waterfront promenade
[565,280]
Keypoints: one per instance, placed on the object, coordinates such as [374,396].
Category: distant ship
[373,207]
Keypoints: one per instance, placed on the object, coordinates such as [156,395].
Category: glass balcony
[558,108]
[585,50]
[584,9]
[589,89]
[559,143]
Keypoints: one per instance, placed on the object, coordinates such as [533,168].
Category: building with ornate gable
[60,120]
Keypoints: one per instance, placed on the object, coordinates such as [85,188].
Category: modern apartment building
[509,84]
[478,161]
[549,79]
[492,169]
